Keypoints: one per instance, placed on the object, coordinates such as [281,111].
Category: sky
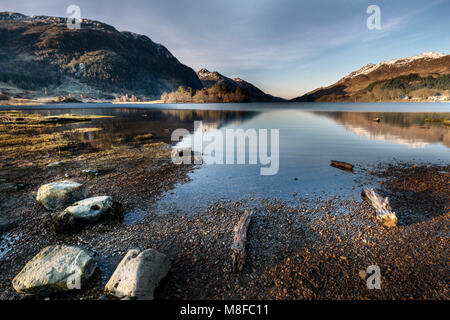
[285,47]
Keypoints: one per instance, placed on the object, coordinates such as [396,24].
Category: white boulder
[54,269]
[138,275]
[58,195]
[86,211]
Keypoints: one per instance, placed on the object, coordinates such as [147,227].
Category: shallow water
[310,136]
[6,243]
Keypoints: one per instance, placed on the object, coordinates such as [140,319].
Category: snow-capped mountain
[410,74]
[394,63]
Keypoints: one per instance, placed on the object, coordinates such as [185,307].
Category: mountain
[256,95]
[40,56]
[417,77]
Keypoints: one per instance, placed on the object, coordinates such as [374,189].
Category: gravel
[310,248]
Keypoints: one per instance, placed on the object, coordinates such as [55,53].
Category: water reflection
[406,128]
[411,129]
[129,122]
[308,141]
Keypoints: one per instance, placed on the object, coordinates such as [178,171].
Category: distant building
[438,97]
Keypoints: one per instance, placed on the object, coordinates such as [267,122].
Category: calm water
[310,136]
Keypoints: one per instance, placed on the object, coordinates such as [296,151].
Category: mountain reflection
[411,129]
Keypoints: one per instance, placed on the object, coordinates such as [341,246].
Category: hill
[40,56]
[210,79]
[421,77]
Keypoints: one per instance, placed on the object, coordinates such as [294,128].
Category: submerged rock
[87,211]
[58,195]
[55,269]
[138,274]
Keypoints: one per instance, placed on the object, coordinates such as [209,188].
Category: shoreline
[310,248]
[40,102]
[302,251]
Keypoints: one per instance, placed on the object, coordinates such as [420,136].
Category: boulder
[87,211]
[58,195]
[138,275]
[55,269]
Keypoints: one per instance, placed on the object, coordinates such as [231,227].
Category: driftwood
[381,206]
[376,119]
[341,165]
[240,240]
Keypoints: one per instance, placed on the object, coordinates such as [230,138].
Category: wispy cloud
[273,43]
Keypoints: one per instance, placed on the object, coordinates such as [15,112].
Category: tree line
[218,93]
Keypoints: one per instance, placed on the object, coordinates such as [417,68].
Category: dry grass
[143,137]
[23,138]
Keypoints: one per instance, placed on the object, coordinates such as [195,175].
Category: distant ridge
[389,80]
[209,79]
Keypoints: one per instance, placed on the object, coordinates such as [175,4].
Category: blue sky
[285,47]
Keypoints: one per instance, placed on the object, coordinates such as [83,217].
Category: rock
[90,171]
[20,186]
[54,164]
[87,211]
[56,268]
[362,274]
[58,195]
[138,274]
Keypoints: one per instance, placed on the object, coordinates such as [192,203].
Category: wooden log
[240,240]
[376,119]
[381,206]
[341,165]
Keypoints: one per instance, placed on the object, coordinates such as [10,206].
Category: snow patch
[398,62]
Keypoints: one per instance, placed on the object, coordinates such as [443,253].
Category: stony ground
[305,249]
